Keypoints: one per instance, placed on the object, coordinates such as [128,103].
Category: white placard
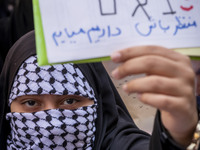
[83,29]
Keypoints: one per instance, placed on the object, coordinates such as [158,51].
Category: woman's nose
[49,102]
[50,105]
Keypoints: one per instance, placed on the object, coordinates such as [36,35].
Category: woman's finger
[151,64]
[167,103]
[126,54]
[159,85]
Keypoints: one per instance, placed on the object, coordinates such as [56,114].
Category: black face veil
[114,124]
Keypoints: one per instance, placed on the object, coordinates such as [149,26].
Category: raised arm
[167,86]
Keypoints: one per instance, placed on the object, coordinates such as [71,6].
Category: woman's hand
[167,86]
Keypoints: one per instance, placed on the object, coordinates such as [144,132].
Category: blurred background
[7,7]
[142,114]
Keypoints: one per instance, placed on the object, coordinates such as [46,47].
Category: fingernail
[116,56]
[115,74]
[125,88]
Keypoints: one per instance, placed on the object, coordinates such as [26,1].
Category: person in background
[6,7]
[198,86]
[15,21]
[76,106]
[196,67]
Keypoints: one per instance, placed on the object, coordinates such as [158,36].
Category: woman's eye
[30,103]
[70,101]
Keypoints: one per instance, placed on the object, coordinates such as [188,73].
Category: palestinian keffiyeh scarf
[58,129]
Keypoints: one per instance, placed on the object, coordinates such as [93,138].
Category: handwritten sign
[85,29]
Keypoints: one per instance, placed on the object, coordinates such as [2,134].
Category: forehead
[61,79]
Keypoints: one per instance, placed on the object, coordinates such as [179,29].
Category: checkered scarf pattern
[66,79]
[58,129]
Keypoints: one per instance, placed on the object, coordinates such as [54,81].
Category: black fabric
[162,137]
[1,63]
[16,25]
[4,12]
[115,128]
